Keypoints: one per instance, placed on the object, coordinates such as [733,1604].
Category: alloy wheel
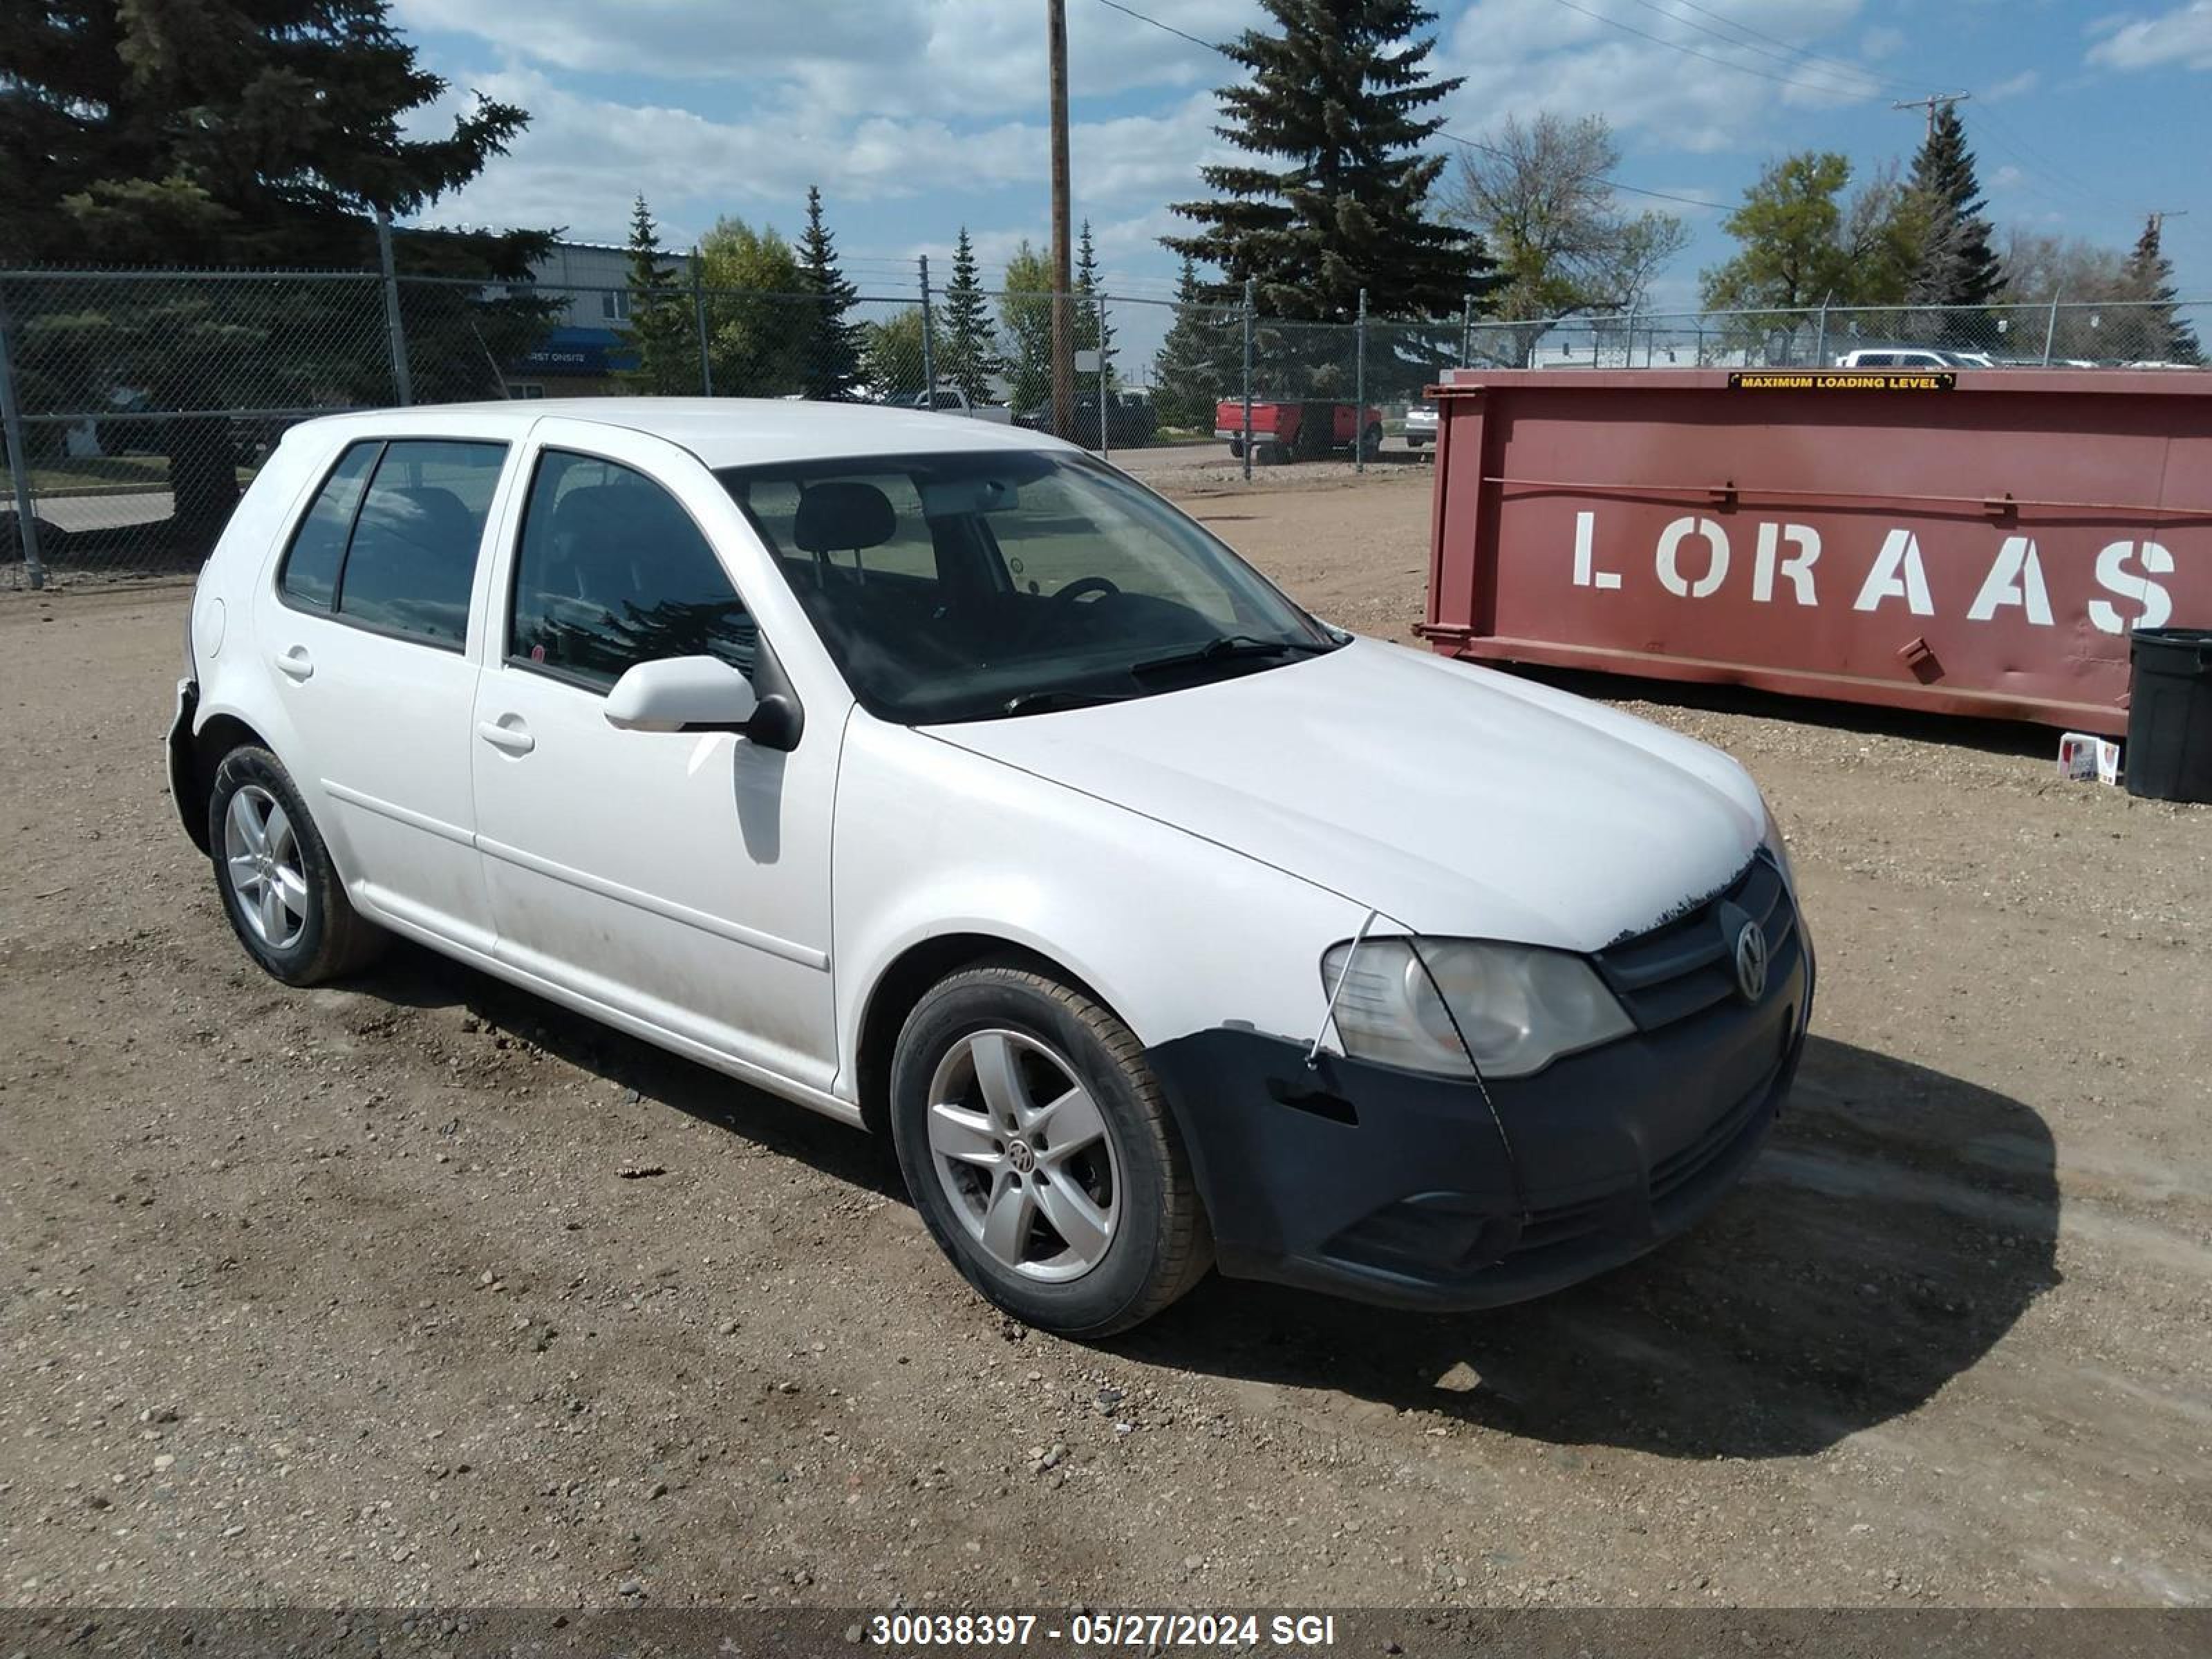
[262,861]
[1024,1155]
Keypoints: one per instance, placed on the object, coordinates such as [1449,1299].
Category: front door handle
[296,663]
[514,740]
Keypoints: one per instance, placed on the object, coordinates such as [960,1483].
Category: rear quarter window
[311,564]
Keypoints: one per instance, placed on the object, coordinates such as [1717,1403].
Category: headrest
[843,517]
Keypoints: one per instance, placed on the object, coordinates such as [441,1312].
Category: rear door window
[412,558]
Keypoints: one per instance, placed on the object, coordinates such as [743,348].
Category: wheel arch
[906,978]
[217,735]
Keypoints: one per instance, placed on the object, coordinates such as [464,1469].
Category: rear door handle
[514,740]
[295,663]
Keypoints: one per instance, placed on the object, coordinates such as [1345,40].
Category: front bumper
[1390,1187]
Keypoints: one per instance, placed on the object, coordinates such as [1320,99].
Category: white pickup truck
[951,400]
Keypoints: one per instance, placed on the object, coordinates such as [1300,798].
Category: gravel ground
[420,1289]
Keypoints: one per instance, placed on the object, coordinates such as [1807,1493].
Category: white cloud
[2014,86]
[2182,36]
[961,59]
[1525,56]
[583,158]
[1881,42]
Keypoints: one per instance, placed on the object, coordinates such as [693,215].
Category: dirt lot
[363,1295]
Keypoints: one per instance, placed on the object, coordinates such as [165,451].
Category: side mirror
[682,694]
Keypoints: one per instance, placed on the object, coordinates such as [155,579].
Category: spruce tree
[1093,331]
[660,328]
[1335,196]
[831,366]
[1200,361]
[1955,264]
[2146,328]
[159,134]
[964,351]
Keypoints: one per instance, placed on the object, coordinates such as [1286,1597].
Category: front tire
[279,888]
[1040,1152]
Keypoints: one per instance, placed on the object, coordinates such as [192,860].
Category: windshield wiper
[1227,647]
[1046,702]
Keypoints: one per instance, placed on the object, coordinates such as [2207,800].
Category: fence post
[1359,386]
[1105,441]
[928,357]
[1250,289]
[396,330]
[699,321]
[19,462]
[1466,330]
[2051,330]
[1820,340]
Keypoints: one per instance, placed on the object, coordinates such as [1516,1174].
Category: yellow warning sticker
[1843,380]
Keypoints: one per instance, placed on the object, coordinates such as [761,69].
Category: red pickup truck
[1282,430]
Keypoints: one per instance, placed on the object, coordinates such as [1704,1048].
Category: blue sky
[918,116]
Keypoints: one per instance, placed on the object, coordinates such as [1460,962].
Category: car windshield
[980,586]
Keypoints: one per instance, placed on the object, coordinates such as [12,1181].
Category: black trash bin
[2169,755]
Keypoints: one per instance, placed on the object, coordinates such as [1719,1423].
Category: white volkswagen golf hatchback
[943,779]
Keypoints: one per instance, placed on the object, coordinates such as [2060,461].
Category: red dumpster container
[1977,542]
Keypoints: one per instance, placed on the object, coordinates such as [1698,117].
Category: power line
[1789,57]
[1441,132]
[1704,57]
[1805,52]
[1115,5]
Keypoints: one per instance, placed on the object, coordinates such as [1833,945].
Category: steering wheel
[1082,587]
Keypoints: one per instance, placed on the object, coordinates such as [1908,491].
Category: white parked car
[1420,424]
[1914,358]
[951,400]
[945,779]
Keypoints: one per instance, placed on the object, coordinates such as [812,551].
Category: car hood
[1453,799]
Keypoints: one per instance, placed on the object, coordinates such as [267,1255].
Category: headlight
[1411,1002]
[1770,837]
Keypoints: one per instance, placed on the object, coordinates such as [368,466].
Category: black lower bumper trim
[1390,1187]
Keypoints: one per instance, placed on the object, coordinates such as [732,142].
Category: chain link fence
[138,404]
[2085,334]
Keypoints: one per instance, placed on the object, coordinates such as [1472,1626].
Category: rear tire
[1371,443]
[1042,1154]
[279,888]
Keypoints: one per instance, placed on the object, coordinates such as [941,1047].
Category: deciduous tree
[1540,197]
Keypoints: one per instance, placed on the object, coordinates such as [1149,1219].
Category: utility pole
[2158,218]
[1063,320]
[1939,100]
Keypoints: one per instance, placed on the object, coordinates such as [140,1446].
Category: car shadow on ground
[415,977]
[1897,1224]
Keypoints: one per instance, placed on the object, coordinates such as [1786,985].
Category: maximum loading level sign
[1843,380]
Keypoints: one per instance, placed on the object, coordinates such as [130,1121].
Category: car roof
[720,431]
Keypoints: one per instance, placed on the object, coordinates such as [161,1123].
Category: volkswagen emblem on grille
[1751,961]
